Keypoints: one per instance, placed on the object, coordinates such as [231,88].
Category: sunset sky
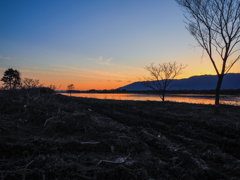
[95,44]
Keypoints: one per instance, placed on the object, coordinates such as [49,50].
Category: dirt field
[57,137]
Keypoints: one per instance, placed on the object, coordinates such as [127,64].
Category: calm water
[190,98]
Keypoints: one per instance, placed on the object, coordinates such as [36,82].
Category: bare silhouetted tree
[70,88]
[161,76]
[11,79]
[53,87]
[215,25]
[29,83]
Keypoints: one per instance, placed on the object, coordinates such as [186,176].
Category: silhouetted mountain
[204,82]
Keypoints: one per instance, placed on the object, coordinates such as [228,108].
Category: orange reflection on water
[188,98]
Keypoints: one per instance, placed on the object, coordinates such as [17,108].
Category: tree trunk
[163,95]
[219,83]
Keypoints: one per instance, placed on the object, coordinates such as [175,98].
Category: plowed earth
[58,137]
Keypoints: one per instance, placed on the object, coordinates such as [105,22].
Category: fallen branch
[51,118]
[117,161]
[29,164]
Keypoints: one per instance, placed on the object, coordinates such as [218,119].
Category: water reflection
[189,98]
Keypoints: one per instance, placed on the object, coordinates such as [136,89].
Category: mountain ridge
[201,82]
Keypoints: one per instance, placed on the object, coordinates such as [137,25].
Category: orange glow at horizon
[100,80]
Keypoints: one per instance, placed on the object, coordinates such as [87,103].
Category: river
[189,98]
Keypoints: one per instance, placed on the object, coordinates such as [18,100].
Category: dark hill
[204,82]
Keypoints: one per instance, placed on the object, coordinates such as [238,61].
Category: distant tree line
[12,80]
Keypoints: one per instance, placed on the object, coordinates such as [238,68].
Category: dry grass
[58,137]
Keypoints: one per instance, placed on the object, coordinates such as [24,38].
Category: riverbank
[212,91]
[52,136]
[187,98]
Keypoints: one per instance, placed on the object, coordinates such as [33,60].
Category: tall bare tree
[161,76]
[215,25]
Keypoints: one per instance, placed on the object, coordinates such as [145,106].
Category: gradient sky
[95,44]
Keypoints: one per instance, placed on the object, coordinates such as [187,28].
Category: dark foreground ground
[57,137]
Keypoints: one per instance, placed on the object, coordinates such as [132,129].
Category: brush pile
[49,136]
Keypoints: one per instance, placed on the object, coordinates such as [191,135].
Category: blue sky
[95,44]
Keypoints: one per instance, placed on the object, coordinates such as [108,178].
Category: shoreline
[196,98]
[212,91]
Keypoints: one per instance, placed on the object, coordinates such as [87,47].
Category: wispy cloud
[103,74]
[76,72]
[132,67]
[109,60]
[58,73]
[100,61]
[1,57]
[28,67]
[118,80]
[66,67]
[61,70]
[87,72]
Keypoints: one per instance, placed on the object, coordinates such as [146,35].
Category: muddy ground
[49,136]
